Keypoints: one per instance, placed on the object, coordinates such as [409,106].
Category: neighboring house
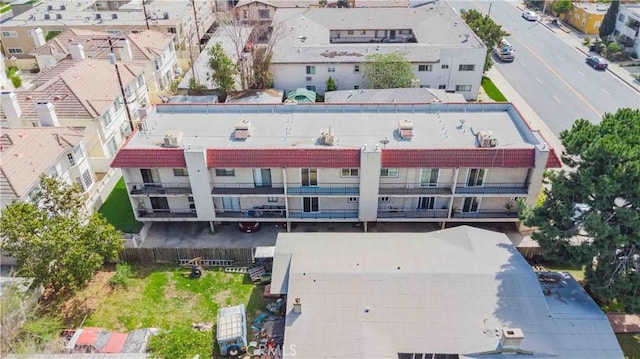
[628,27]
[152,49]
[4,80]
[26,153]
[261,12]
[26,31]
[459,293]
[587,17]
[364,163]
[399,95]
[314,44]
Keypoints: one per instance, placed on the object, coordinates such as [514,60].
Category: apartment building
[628,27]
[587,17]
[315,44]
[363,163]
[153,50]
[83,92]
[24,32]
[60,153]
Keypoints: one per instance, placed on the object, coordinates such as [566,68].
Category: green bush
[16,81]
[182,342]
[122,276]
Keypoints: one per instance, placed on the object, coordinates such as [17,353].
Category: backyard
[117,210]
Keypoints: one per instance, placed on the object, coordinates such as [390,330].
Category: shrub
[122,276]
[16,81]
[587,41]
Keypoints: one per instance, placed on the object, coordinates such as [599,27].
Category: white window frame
[331,68]
[87,180]
[478,204]
[390,172]
[429,183]
[15,50]
[272,199]
[482,180]
[310,70]
[466,67]
[463,88]
[225,172]
[425,68]
[180,172]
[9,34]
[356,69]
[349,172]
[311,200]
[310,170]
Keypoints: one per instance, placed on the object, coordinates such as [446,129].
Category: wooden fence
[240,256]
[530,252]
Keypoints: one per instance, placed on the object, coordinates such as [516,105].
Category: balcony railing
[325,189]
[412,189]
[488,213]
[493,188]
[413,213]
[163,188]
[325,214]
[167,213]
[245,188]
[255,212]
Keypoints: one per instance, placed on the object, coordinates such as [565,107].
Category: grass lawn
[4,8]
[491,90]
[630,344]
[117,210]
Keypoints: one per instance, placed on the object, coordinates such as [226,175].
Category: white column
[370,163]
[542,152]
[196,159]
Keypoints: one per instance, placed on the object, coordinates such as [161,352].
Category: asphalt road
[550,75]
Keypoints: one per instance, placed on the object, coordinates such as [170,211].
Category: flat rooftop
[442,126]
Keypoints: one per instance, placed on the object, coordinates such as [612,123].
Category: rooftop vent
[327,137]
[486,139]
[511,337]
[405,129]
[241,131]
[172,139]
[297,306]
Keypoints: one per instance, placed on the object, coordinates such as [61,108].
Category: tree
[54,240]
[224,70]
[591,213]
[562,6]
[331,84]
[609,20]
[486,29]
[384,71]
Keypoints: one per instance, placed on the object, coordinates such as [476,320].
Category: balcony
[167,213]
[326,189]
[244,188]
[494,188]
[412,189]
[488,213]
[160,188]
[413,213]
[325,214]
[266,211]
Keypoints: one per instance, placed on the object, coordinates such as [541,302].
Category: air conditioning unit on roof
[327,137]
[172,139]
[486,139]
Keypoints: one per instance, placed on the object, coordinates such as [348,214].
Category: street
[552,76]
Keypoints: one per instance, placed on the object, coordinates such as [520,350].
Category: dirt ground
[75,309]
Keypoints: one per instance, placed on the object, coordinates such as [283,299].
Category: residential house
[459,293]
[440,163]
[628,27]
[261,12]
[151,49]
[587,17]
[314,44]
[28,30]
[27,153]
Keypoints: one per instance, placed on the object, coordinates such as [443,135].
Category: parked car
[249,227]
[597,62]
[530,15]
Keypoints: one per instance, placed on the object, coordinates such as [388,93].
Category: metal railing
[413,213]
[487,213]
[325,189]
[493,188]
[167,213]
[413,188]
[324,213]
[246,188]
[162,188]
[255,212]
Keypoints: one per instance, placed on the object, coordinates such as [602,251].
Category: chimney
[125,50]
[511,339]
[11,109]
[47,114]
[77,51]
[38,37]
[297,306]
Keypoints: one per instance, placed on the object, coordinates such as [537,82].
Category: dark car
[249,227]
[597,62]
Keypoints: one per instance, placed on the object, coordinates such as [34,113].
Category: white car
[530,15]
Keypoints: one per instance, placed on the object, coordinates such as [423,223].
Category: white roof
[374,295]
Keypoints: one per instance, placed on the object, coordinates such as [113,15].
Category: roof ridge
[82,103]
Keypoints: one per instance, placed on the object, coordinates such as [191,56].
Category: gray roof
[305,34]
[374,295]
[399,95]
[256,96]
[193,99]
[354,125]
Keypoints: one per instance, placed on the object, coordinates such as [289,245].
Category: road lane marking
[555,98]
[580,73]
[560,58]
[607,92]
[523,64]
[537,79]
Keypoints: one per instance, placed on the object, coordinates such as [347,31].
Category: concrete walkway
[624,323]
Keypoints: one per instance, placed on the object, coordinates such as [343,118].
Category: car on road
[249,227]
[597,62]
[530,15]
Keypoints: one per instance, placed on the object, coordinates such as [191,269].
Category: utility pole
[144,10]
[544,7]
[195,17]
[490,5]
[112,60]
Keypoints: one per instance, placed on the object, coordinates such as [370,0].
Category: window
[470,204]
[353,199]
[429,177]
[9,34]
[115,32]
[356,87]
[356,68]
[425,67]
[445,66]
[442,87]
[225,172]
[15,50]
[77,152]
[79,183]
[140,81]
[331,68]
[620,18]
[264,14]
[363,32]
[310,204]
[112,146]
[597,24]
[311,88]
[72,162]
[106,119]
[426,202]
[180,172]
[475,177]
[467,68]
[171,30]
[272,199]
[463,88]
[388,172]
[309,177]
[349,32]
[117,105]
[350,172]
[88,181]
[245,14]
[383,199]
[53,172]
[311,70]
[192,204]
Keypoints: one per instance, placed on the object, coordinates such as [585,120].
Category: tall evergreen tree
[609,20]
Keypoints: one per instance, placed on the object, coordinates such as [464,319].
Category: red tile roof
[448,158]
[553,161]
[315,158]
[149,158]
